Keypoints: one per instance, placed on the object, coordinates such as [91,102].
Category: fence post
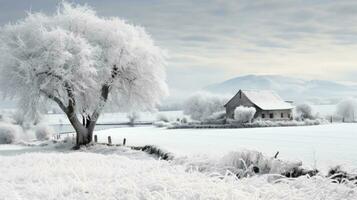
[109,140]
[124,141]
[95,138]
[331,119]
[276,155]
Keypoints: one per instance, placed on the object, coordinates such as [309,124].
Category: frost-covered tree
[244,114]
[132,117]
[347,109]
[81,62]
[202,105]
[304,111]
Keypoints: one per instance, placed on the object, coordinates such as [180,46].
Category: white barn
[268,105]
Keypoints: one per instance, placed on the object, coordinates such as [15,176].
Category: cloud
[212,40]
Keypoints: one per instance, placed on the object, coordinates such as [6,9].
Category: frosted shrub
[244,114]
[44,132]
[133,116]
[263,123]
[161,124]
[245,163]
[163,118]
[347,109]
[218,115]
[8,133]
[217,118]
[7,119]
[306,122]
[304,111]
[184,120]
[202,105]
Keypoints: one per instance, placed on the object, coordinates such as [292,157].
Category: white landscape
[178,100]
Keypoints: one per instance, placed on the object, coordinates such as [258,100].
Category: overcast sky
[213,40]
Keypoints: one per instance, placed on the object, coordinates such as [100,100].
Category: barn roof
[266,99]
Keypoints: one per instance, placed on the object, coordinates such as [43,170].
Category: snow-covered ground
[321,146]
[53,171]
[120,173]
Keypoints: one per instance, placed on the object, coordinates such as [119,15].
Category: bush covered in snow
[133,116]
[184,120]
[255,124]
[246,163]
[304,111]
[162,117]
[347,110]
[202,105]
[244,114]
[216,118]
[9,132]
[306,122]
[161,124]
[44,132]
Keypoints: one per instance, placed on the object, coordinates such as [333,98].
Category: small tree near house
[347,109]
[304,111]
[202,105]
[132,117]
[82,63]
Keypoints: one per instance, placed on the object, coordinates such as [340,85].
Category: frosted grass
[83,175]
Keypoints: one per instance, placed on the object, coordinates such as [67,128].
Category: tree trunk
[84,132]
[84,137]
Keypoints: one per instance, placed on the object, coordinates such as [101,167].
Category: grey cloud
[202,33]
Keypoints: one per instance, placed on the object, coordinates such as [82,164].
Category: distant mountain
[316,91]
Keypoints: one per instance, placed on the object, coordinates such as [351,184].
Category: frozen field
[319,146]
[100,172]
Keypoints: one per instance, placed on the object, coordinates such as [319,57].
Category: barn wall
[238,100]
[287,115]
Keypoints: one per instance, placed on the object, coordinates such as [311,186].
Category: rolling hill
[316,91]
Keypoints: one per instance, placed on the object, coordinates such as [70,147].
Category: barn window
[282,115]
[271,115]
[289,115]
[263,115]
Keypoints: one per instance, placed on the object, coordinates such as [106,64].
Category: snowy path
[323,145]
